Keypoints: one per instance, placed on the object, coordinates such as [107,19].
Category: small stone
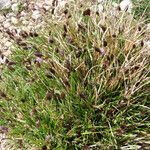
[10,15]
[14,20]
[100,8]
[2,18]
[24,28]
[6,25]
[100,1]
[126,5]
[25,5]
[2,59]
[14,1]
[24,22]
[15,7]
[23,13]
[36,14]
[8,44]
[7,52]
[46,7]
[147,43]
[48,2]
[22,18]
[4,4]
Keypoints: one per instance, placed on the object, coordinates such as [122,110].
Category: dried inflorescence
[83,74]
[103,42]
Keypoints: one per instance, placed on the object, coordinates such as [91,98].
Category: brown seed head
[38,54]
[87,12]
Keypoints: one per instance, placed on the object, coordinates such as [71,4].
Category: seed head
[87,12]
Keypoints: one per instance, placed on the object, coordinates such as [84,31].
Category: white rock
[8,44]
[14,1]
[48,2]
[15,7]
[148,27]
[46,7]
[17,33]
[24,28]
[24,22]
[23,13]
[22,18]
[10,15]
[62,3]
[100,1]
[2,19]
[14,20]
[100,8]
[126,5]
[7,52]
[36,7]
[5,39]
[25,5]
[6,24]
[5,4]
[36,14]
[147,43]
[3,60]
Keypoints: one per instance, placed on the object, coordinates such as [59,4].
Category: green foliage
[140,8]
[81,84]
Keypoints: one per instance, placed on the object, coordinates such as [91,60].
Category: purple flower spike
[38,59]
[102,51]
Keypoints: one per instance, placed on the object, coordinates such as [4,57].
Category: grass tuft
[81,83]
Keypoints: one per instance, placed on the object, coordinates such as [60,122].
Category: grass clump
[141,9]
[82,83]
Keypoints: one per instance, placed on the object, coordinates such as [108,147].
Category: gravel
[22,16]
[5,4]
